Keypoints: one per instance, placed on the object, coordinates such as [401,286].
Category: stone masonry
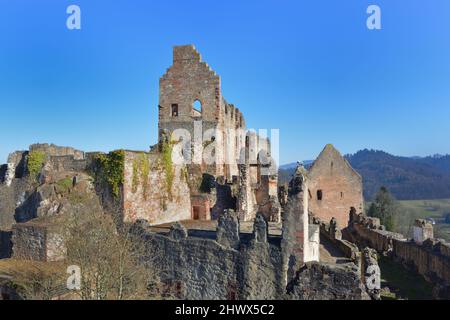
[334,187]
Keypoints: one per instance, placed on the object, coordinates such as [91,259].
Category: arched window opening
[197,108]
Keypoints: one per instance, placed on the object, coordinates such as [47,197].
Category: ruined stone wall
[57,151]
[153,190]
[334,187]
[38,242]
[431,259]
[11,197]
[228,265]
[201,207]
[267,198]
[225,198]
[349,249]
[295,226]
[190,79]
[221,266]
[3,171]
[22,198]
[317,281]
[66,163]
[246,197]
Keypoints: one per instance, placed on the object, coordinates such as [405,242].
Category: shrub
[36,160]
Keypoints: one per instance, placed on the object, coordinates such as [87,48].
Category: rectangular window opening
[174,110]
[319,194]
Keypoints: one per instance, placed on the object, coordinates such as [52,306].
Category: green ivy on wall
[111,171]
[168,166]
[36,160]
[145,171]
[141,171]
[135,181]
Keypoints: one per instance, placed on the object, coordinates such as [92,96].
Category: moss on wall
[36,160]
[135,179]
[168,166]
[145,171]
[111,171]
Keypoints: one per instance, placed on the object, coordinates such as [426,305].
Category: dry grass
[13,267]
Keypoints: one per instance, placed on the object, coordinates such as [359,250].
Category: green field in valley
[422,209]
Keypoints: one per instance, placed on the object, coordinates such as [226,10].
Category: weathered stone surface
[12,197]
[327,282]
[369,261]
[153,193]
[260,229]
[178,232]
[334,187]
[29,242]
[295,223]
[201,268]
[422,230]
[57,151]
[228,229]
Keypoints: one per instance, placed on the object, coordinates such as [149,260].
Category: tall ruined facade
[190,98]
[218,151]
[334,187]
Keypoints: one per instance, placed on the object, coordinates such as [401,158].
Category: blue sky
[310,68]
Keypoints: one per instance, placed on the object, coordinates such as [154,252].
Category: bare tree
[109,258]
[37,282]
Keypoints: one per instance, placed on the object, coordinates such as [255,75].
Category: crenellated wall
[431,259]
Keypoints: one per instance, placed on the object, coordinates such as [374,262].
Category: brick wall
[146,193]
[340,187]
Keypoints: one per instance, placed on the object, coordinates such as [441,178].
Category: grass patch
[64,185]
[403,284]
[422,209]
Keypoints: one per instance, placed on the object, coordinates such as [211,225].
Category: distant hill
[407,178]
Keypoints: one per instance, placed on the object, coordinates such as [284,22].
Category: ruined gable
[334,187]
[187,80]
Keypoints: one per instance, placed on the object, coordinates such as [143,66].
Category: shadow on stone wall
[5,244]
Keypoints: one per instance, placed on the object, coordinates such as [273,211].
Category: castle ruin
[216,229]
